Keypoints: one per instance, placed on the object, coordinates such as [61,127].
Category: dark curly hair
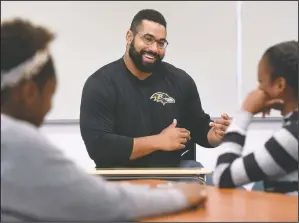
[20,40]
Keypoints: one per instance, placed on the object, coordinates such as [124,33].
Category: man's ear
[129,37]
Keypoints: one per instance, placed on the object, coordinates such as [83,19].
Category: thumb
[225,116]
[174,123]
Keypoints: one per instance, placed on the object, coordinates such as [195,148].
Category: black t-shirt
[116,107]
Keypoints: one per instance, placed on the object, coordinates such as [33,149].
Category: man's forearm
[144,146]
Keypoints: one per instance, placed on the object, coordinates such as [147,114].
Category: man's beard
[137,59]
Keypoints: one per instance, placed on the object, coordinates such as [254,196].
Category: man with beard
[38,182]
[141,112]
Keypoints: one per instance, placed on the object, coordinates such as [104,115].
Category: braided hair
[283,62]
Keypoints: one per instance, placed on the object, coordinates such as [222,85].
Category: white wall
[68,138]
[91,34]
[264,23]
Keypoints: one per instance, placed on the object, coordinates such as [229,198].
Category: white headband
[25,70]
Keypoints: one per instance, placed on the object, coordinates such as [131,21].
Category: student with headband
[38,183]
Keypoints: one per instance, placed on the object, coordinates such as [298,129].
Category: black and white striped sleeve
[277,157]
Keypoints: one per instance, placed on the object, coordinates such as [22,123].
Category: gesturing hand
[220,125]
[173,138]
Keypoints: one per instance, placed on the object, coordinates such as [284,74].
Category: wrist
[242,119]
[247,109]
[155,142]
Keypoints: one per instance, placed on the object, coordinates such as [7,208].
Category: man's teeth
[149,56]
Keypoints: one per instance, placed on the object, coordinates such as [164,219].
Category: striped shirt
[275,163]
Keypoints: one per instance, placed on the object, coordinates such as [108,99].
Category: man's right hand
[173,138]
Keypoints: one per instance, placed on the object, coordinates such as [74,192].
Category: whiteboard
[201,35]
[264,24]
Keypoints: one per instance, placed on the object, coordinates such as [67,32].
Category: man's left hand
[219,126]
[218,129]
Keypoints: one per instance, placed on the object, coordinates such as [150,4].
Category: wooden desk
[228,205]
[152,173]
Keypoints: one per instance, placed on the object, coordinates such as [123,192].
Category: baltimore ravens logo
[162,98]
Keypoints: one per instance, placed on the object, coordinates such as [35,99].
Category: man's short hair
[147,14]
